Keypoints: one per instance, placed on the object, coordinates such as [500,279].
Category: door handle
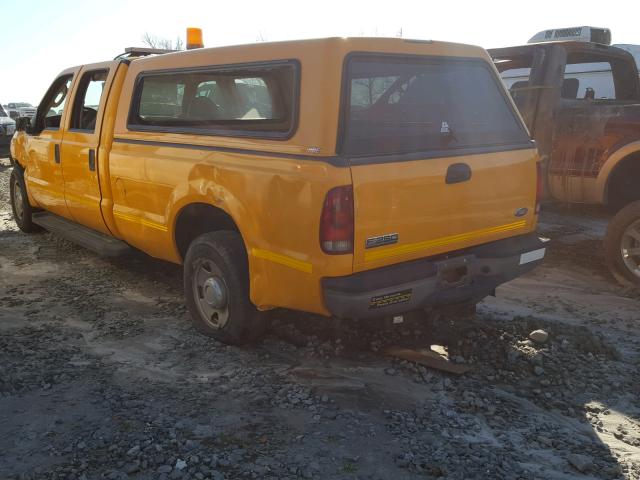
[457,173]
[56,152]
[92,160]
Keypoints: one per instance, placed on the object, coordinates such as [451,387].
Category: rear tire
[216,287]
[622,245]
[20,207]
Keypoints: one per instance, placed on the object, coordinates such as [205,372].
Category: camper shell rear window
[396,104]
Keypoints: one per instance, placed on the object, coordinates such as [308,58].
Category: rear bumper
[462,276]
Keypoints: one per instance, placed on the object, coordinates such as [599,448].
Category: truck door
[535,90]
[80,148]
[592,118]
[43,173]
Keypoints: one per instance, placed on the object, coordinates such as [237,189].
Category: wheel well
[15,163]
[622,186]
[198,218]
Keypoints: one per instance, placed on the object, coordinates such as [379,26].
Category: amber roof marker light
[194,38]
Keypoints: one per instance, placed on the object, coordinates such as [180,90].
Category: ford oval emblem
[521,212]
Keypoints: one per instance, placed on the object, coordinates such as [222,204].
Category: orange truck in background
[350,177]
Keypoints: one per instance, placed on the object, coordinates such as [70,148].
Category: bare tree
[261,37]
[370,87]
[153,41]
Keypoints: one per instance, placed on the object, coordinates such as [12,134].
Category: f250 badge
[381,240]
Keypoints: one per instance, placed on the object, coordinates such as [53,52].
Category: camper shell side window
[249,100]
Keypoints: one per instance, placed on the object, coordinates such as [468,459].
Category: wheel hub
[630,248]
[17,200]
[211,294]
[215,292]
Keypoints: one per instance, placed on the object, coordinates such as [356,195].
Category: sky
[43,37]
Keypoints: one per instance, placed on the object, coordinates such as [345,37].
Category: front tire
[20,207]
[622,245]
[216,287]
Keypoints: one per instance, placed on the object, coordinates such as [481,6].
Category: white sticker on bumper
[532,256]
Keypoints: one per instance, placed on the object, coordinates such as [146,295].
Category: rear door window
[403,105]
[87,100]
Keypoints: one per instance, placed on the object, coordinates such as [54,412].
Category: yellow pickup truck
[352,177]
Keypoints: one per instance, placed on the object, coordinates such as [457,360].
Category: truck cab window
[87,101]
[54,102]
[366,91]
[255,100]
[588,80]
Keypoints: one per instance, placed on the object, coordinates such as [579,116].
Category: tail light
[539,185]
[336,221]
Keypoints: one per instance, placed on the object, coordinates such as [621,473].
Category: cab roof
[297,48]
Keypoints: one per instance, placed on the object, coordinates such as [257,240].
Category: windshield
[2,112]
[20,105]
[408,104]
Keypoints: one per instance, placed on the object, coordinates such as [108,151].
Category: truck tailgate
[407,210]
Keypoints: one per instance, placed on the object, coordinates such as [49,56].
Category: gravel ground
[101,376]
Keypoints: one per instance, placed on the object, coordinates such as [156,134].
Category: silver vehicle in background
[7,129]
[20,109]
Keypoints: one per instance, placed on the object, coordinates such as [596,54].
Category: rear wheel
[622,245]
[216,286]
[22,211]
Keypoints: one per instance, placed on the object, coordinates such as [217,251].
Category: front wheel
[22,211]
[216,287]
[622,245]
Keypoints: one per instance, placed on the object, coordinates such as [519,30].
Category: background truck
[590,145]
[595,75]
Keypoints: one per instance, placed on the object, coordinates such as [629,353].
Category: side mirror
[23,124]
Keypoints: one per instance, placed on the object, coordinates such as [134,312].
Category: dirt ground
[102,376]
